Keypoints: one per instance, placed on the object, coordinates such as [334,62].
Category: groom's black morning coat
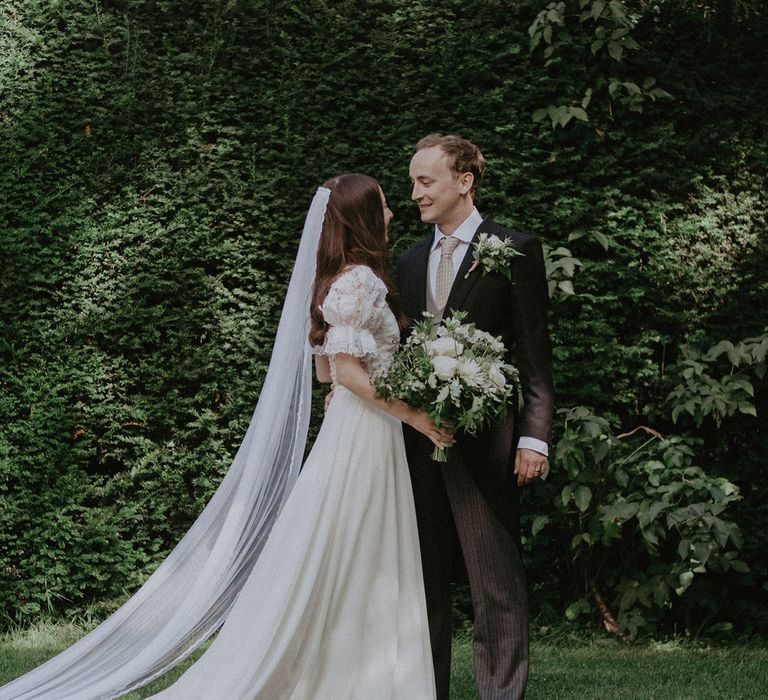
[516,311]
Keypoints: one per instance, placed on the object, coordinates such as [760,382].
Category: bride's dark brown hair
[353,234]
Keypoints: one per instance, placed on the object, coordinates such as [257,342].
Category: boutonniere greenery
[494,255]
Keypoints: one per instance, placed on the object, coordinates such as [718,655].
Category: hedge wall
[158,158]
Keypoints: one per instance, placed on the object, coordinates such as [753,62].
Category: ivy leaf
[538,524]
[582,497]
[740,566]
[686,579]
[597,9]
[579,113]
[702,551]
[602,239]
[658,92]
[566,286]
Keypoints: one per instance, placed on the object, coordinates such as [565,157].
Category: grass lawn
[577,668]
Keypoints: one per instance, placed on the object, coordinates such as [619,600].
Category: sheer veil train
[189,595]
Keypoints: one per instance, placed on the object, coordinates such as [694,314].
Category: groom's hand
[529,465]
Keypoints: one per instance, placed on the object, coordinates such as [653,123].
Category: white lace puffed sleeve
[349,308]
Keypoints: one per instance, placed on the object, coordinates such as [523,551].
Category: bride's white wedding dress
[334,607]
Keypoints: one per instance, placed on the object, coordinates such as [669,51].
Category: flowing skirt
[334,608]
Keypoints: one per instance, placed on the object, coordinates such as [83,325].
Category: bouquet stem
[440,454]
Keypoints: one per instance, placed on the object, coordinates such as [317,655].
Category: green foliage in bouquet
[454,372]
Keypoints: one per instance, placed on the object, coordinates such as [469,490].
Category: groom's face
[437,191]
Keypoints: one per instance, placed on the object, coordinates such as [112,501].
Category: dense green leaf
[157,163]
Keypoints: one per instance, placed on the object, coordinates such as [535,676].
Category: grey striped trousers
[448,503]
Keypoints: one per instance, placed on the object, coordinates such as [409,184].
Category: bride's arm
[323,369]
[351,374]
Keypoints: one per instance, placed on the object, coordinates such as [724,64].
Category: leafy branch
[597,35]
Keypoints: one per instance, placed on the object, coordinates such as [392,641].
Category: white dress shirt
[465,232]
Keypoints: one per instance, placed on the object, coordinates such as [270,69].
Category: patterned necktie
[444,280]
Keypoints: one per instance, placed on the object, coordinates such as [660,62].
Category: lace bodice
[361,322]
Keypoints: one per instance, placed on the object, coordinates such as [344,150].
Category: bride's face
[388,215]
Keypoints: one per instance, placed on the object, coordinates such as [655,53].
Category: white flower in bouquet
[454,372]
[470,371]
[445,366]
[416,385]
[445,346]
[496,374]
[494,343]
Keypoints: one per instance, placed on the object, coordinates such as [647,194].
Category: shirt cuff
[531,443]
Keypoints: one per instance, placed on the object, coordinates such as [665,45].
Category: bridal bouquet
[454,372]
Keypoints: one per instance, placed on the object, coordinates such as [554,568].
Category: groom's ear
[466,181]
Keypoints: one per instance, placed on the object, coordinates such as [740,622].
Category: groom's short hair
[463,155]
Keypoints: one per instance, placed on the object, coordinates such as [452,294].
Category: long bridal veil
[189,595]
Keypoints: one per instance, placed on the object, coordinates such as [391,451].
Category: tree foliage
[158,157]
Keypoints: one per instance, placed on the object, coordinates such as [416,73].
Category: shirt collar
[465,232]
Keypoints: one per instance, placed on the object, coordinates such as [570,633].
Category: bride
[334,605]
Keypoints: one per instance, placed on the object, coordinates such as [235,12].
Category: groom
[469,506]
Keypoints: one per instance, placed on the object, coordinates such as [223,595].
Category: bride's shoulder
[355,292]
[356,286]
[358,276]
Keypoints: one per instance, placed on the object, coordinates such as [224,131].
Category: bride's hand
[440,437]
[328,397]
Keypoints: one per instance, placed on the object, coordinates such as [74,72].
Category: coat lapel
[465,279]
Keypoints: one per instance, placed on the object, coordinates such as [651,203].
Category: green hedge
[158,158]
